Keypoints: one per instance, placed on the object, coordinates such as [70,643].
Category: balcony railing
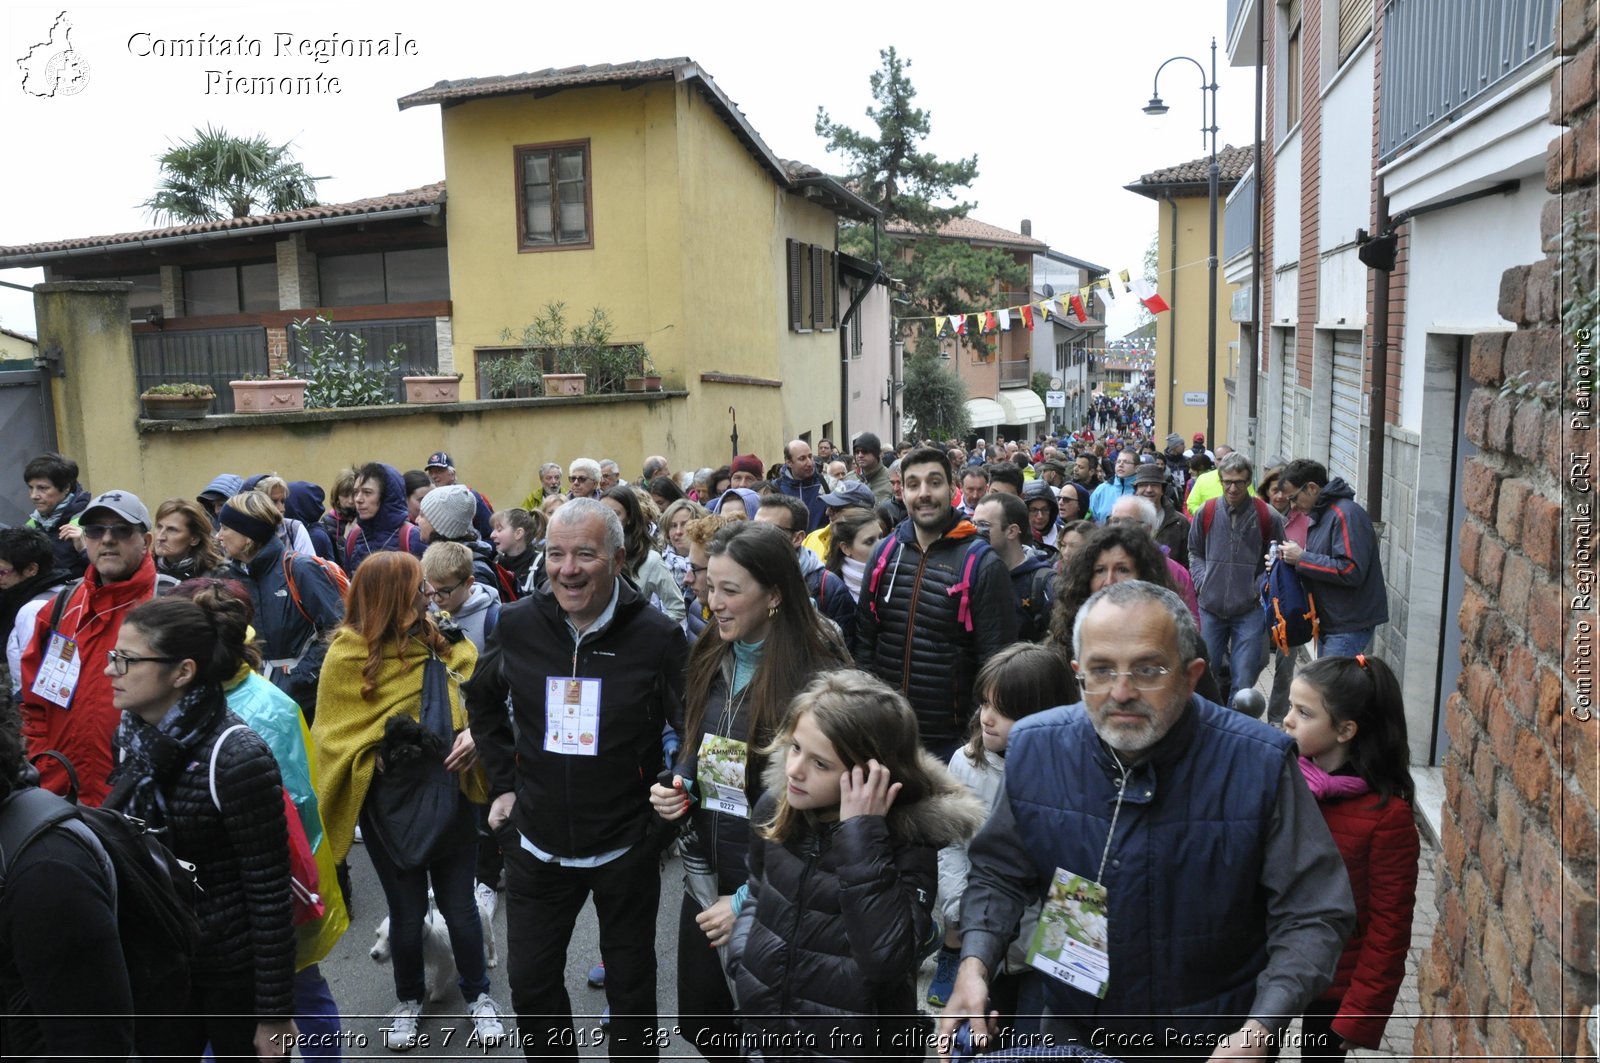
[1442,56]
[1238,222]
[1015,372]
[419,336]
[201,356]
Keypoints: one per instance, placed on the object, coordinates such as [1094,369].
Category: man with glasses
[66,696]
[1227,558]
[1121,483]
[1182,832]
[1339,562]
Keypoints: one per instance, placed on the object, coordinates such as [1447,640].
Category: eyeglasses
[1235,483]
[443,592]
[698,570]
[119,532]
[579,479]
[1099,679]
[983,526]
[119,661]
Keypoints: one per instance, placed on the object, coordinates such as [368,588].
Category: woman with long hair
[765,642]
[215,797]
[185,546]
[374,671]
[856,530]
[640,562]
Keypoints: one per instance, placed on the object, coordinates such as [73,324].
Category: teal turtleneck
[746,656]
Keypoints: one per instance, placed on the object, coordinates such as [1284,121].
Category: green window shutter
[796,276]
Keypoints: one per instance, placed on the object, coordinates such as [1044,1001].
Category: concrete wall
[868,413]
[1188,293]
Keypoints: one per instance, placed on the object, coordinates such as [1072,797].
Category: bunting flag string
[1063,308]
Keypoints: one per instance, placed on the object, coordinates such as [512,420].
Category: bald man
[799,479]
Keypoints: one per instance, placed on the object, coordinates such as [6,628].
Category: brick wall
[1399,275]
[1310,275]
[1511,969]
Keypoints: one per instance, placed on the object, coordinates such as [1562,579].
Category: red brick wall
[1511,969]
[1310,181]
[1267,177]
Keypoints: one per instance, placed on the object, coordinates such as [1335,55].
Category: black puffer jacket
[909,629]
[722,839]
[827,941]
[241,858]
[284,631]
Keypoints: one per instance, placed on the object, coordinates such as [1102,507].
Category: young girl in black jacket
[843,870]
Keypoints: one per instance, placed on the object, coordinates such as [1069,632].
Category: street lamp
[1208,124]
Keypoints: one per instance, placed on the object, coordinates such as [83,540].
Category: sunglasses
[119,532]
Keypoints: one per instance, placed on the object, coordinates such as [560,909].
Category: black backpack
[155,891]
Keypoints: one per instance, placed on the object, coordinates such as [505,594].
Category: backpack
[308,906]
[406,528]
[1039,601]
[1263,515]
[341,581]
[155,891]
[977,547]
[1290,609]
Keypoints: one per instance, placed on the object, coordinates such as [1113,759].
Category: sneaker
[486,1024]
[401,1033]
[605,1017]
[358,836]
[944,977]
[487,899]
[597,976]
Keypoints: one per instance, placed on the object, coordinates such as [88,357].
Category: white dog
[438,958]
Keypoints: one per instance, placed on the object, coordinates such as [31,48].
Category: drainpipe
[1255,271]
[1172,318]
[1378,412]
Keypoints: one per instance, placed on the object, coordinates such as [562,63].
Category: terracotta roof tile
[549,78]
[973,229]
[427,195]
[1232,164]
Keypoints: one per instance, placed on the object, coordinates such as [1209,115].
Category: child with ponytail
[1348,719]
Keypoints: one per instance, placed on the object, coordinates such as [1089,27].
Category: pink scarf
[1325,787]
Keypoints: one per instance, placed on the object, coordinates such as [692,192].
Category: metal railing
[1441,56]
[1015,372]
[1238,219]
[420,357]
[201,356]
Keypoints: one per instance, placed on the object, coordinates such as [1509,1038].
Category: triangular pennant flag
[1149,296]
[1027,317]
[1124,277]
[988,321]
[1003,319]
[957,324]
[1044,310]
[941,324]
[1106,289]
[1059,308]
[977,323]
[1077,308]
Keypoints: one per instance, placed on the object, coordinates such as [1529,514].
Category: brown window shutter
[1355,21]
[796,276]
[819,290]
[829,261]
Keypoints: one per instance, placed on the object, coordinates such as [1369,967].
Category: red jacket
[1380,850]
[83,731]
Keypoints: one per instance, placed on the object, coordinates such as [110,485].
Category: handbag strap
[215,749]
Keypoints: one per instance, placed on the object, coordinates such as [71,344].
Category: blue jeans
[452,876]
[1238,639]
[1345,643]
[316,1012]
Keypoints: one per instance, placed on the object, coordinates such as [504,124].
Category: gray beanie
[450,510]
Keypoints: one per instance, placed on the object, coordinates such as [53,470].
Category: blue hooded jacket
[305,504]
[388,529]
[751,500]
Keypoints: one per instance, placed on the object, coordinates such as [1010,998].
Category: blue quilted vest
[1187,917]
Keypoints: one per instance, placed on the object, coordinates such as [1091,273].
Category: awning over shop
[1021,406]
[986,413]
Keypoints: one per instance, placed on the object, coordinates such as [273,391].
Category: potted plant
[645,378]
[177,402]
[277,392]
[337,369]
[436,388]
[512,376]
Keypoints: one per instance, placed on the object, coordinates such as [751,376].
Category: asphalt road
[364,989]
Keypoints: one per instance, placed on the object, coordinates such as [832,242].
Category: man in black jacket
[593,675]
[935,604]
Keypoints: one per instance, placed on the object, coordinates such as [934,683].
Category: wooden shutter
[796,278]
[819,289]
[1355,22]
[829,262]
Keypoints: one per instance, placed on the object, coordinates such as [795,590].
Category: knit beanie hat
[450,510]
[748,463]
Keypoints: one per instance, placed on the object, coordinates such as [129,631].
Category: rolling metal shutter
[1345,409]
[1286,445]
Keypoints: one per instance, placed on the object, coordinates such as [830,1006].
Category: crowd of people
[990,706]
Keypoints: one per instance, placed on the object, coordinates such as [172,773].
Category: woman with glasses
[213,793]
[765,642]
[374,672]
[185,546]
[297,603]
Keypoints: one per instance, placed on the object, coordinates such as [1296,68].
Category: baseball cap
[439,460]
[850,493]
[124,504]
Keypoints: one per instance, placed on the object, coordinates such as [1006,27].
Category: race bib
[572,716]
[721,775]
[58,672]
[1069,944]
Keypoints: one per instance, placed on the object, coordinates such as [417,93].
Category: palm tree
[216,175]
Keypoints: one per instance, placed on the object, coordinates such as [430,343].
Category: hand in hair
[866,792]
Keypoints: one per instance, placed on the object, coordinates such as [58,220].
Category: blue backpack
[1291,610]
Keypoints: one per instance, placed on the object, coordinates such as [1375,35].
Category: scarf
[153,753]
[1325,787]
[853,571]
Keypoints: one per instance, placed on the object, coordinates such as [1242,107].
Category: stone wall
[1511,970]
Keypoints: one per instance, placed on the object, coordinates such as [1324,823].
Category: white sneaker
[488,900]
[486,1024]
[358,836]
[401,1033]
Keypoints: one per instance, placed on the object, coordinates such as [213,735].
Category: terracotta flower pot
[433,388]
[268,396]
[633,383]
[652,381]
[564,383]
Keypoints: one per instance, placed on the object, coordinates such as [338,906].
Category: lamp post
[1208,124]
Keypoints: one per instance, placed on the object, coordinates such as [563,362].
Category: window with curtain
[553,196]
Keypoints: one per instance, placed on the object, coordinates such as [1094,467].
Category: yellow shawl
[349,727]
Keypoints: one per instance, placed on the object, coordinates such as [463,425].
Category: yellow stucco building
[1182,196]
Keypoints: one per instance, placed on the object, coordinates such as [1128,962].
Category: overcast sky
[1049,99]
